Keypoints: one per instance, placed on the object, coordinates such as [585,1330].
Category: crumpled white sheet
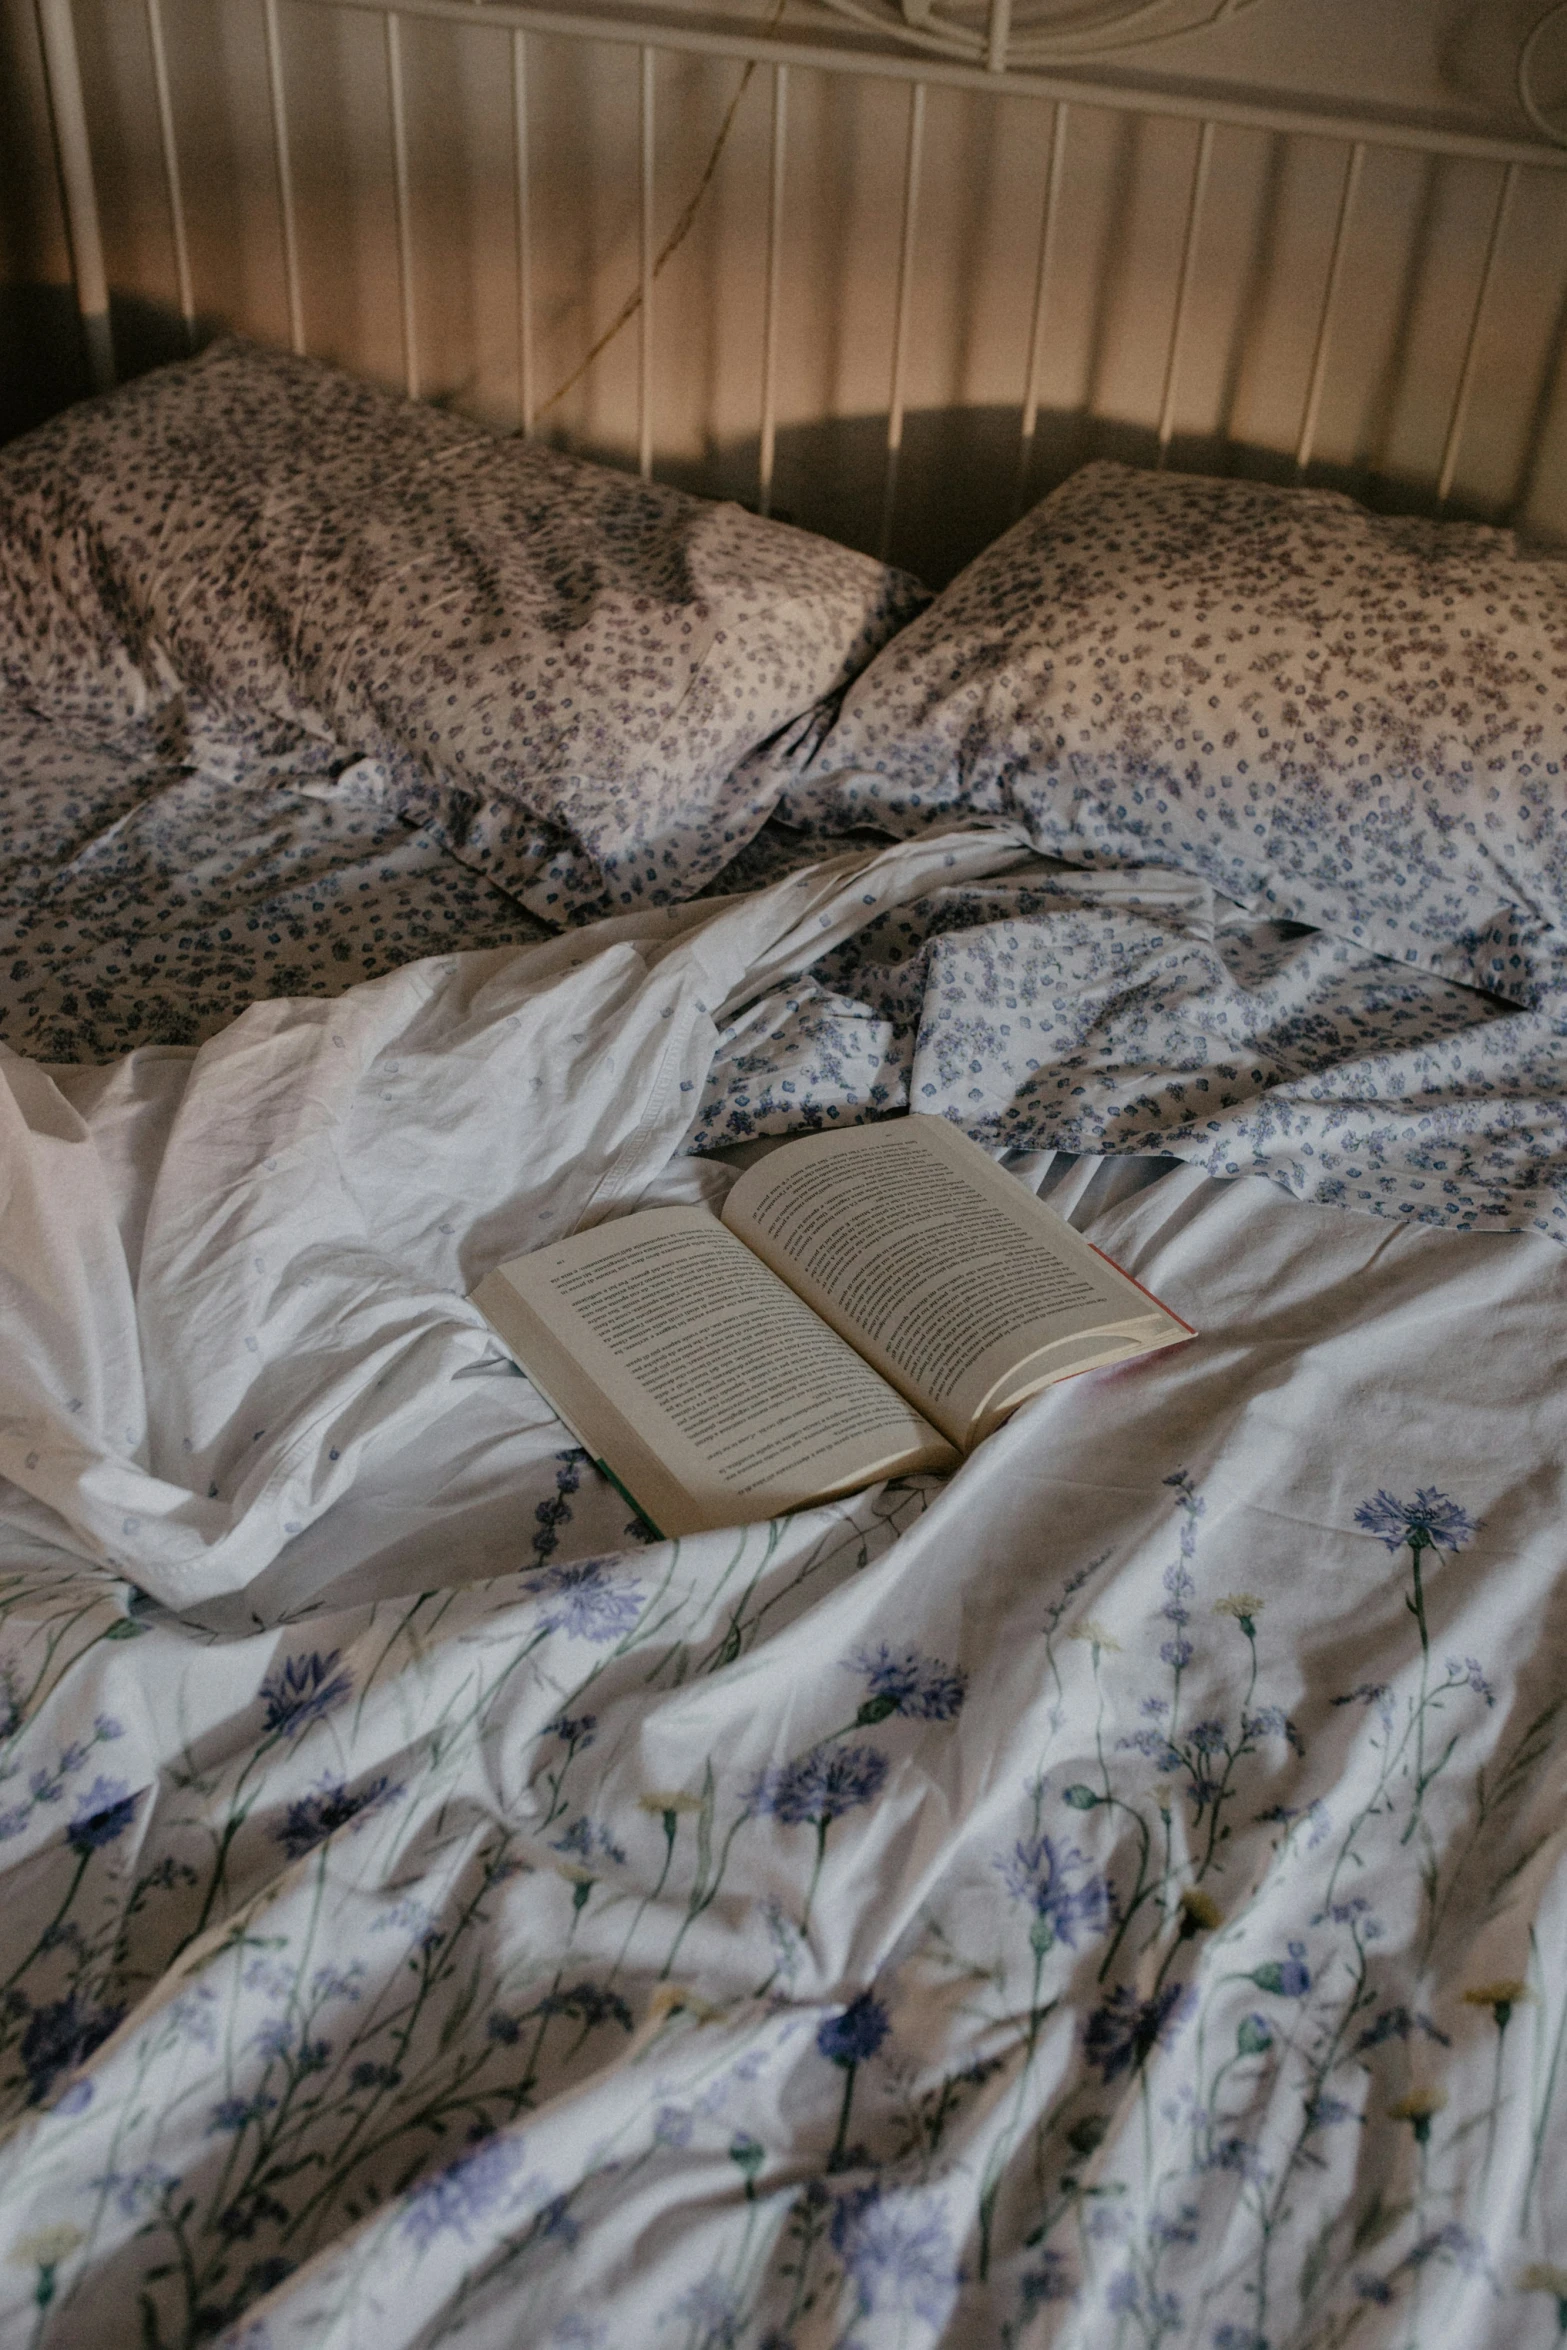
[196,1363]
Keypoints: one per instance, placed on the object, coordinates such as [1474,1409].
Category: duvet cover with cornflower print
[832,1933]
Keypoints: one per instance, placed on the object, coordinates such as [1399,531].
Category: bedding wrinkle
[1114,1895]
[332,1176]
[972,2059]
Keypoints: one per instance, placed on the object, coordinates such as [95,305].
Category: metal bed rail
[516,22]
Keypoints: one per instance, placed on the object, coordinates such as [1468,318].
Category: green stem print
[1163,2062]
[1502,1998]
[848,2041]
[1063,1896]
[1431,1522]
[1419,1540]
[669,1807]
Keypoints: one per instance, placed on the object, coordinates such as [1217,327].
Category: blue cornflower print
[1125,2031]
[582,1601]
[921,1688]
[1240,2155]
[101,1816]
[820,1786]
[60,2037]
[1040,1873]
[1178,2227]
[300,1690]
[1432,1521]
[813,1791]
[857,2033]
[897,2254]
[1271,1721]
[1051,2281]
[329,1807]
[469,2190]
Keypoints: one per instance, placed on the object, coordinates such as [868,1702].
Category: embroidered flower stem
[1418,1540]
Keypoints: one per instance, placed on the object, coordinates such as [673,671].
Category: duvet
[1112,1898]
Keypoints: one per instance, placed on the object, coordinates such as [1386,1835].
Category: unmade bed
[1111,1896]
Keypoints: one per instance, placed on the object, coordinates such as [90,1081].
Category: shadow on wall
[962,475]
[41,367]
[963,479]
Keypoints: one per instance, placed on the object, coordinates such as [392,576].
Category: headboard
[890,270]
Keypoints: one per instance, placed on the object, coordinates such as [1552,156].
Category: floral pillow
[559,666]
[1347,720]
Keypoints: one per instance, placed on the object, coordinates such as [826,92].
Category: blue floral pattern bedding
[1113,1897]
[1349,719]
[850,1930]
[153,886]
[1136,1012]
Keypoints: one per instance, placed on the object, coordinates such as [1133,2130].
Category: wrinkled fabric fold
[335,1178]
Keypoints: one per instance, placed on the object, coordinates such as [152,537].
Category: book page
[940,1268]
[712,1392]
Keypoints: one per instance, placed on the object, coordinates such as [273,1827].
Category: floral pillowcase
[558,666]
[1346,720]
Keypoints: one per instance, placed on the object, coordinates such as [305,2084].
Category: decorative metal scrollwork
[1036,32]
[1542,75]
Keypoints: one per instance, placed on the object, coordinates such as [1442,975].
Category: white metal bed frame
[519,19]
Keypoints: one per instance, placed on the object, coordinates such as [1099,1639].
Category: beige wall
[1412,269]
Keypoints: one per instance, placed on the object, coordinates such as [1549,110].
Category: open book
[872,1301]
